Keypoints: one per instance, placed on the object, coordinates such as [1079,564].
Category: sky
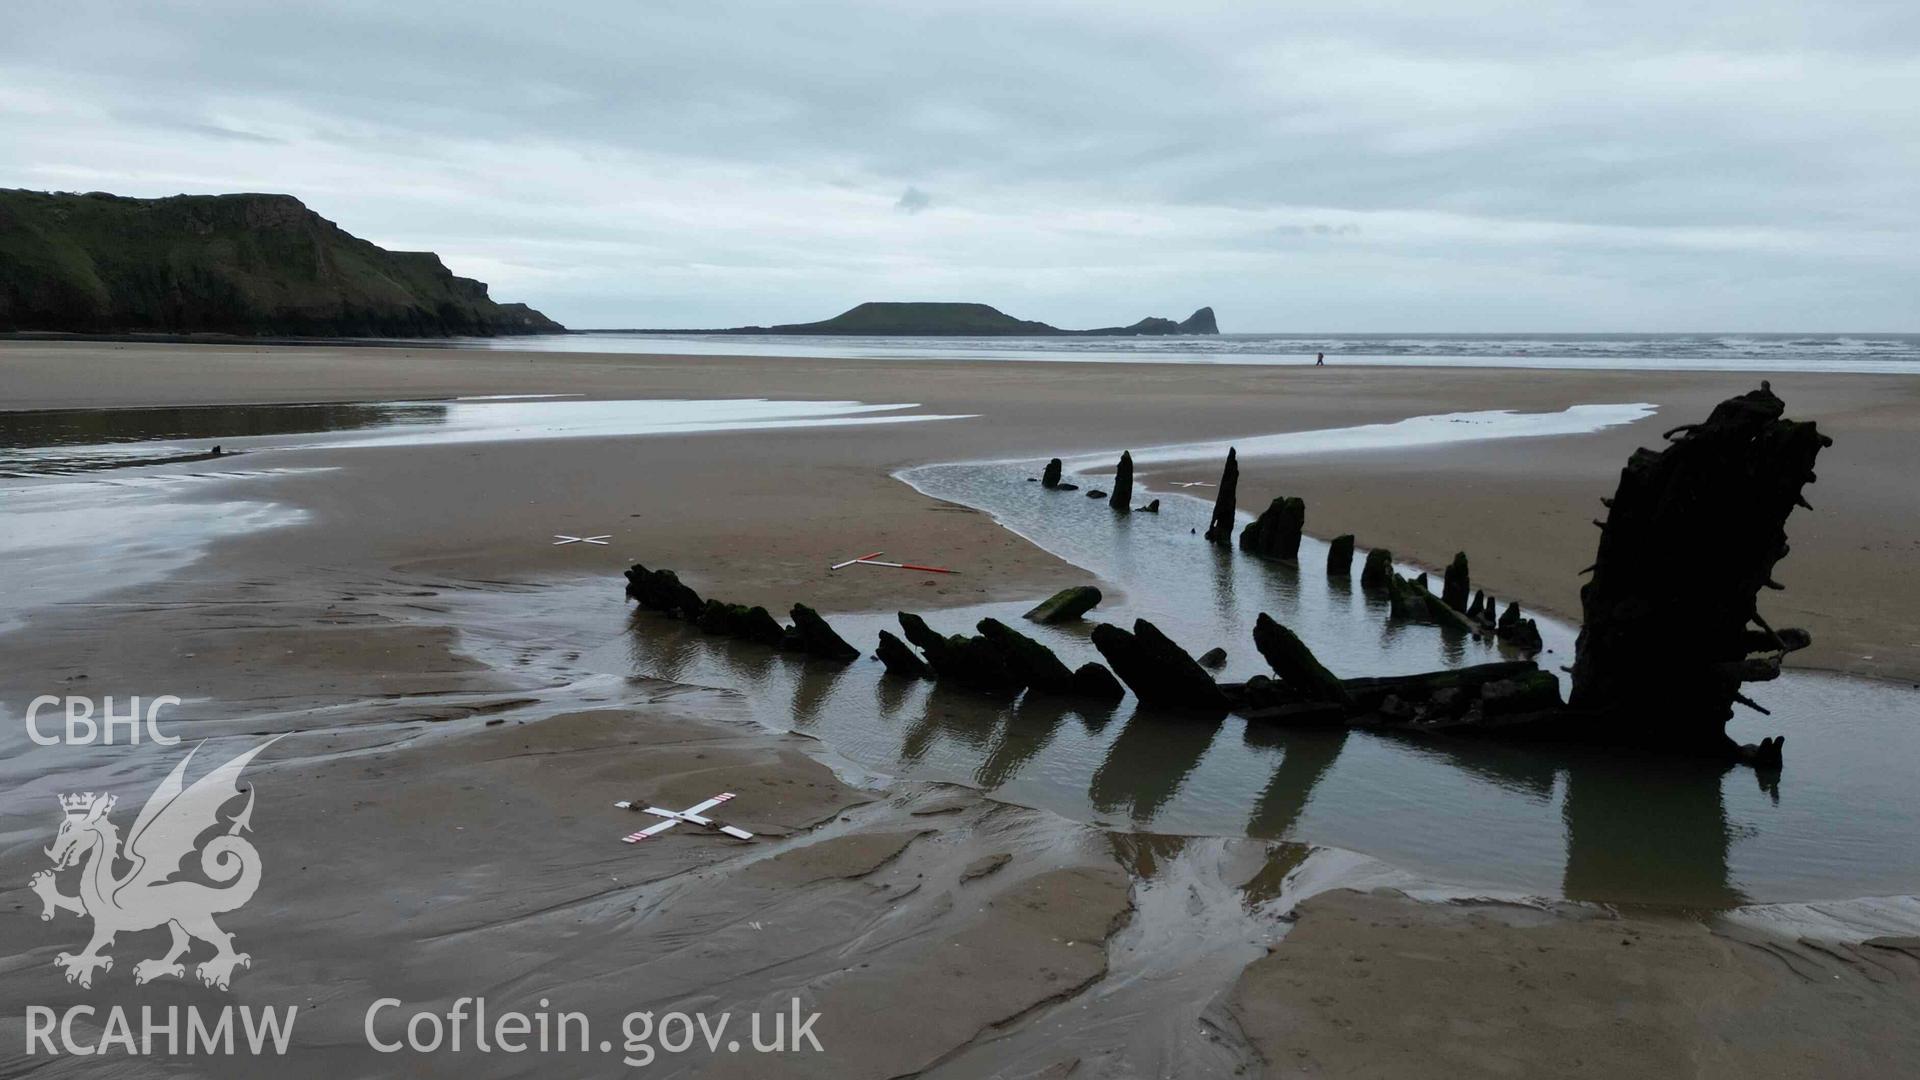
[1347,166]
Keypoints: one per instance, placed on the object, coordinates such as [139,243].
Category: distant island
[225,264]
[878,319]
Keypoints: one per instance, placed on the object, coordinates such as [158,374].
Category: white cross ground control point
[563,538]
[692,815]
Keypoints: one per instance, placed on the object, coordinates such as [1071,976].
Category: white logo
[153,892]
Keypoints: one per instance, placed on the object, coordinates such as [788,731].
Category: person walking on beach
[1320,360]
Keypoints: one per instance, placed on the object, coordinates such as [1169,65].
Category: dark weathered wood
[1368,693]
[1034,663]
[899,659]
[1378,571]
[1454,586]
[1276,532]
[1295,663]
[815,638]
[1340,556]
[1160,672]
[1692,536]
[1066,605]
[1122,498]
[1220,529]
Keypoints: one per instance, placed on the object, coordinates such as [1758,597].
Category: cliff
[225,264]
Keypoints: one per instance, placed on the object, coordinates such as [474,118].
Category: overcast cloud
[1341,166]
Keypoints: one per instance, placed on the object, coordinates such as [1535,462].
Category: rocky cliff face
[226,264]
[1200,322]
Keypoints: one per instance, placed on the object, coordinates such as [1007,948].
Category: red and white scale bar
[869,560]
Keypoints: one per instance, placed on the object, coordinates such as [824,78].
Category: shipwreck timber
[1220,528]
[1671,631]
[1670,628]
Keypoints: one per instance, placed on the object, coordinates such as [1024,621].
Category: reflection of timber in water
[1541,820]
[663,649]
[1306,755]
[812,687]
[1648,831]
[951,715]
[1149,760]
[1546,820]
[1029,728]
[1638,828]
[1651,830]
[891,694]
[1631,828]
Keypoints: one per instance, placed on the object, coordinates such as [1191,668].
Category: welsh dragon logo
[154,892]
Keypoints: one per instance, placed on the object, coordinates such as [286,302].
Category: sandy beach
[437,812]
[1522,510]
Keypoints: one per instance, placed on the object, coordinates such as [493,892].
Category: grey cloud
[608,157]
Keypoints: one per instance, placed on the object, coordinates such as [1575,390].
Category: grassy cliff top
[239,264]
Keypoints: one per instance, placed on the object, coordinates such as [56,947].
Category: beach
[438,811]
[1524,518]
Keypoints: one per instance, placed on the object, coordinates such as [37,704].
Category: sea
[1894,354]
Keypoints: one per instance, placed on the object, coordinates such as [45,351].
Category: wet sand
[766,513]
[1372,984]
[435,831]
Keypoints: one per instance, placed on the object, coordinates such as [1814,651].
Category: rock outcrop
[1050,476]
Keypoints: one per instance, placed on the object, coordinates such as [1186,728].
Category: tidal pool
[1554,822]
[93,500]
[56,441]
[1559,822]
